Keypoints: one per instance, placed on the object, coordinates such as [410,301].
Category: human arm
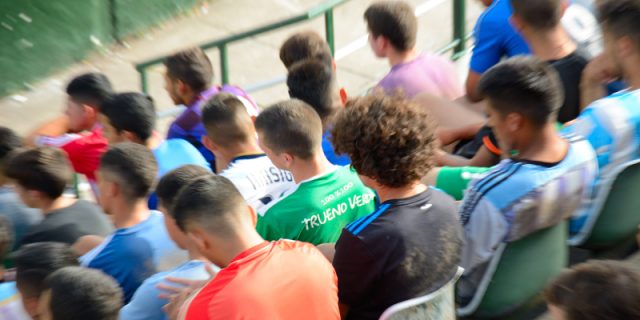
[595,77]
[448,136]
[484,229]
[482,158]
[52,128]
[471,85]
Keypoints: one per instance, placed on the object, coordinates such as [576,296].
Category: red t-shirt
[83,149]
[274,280]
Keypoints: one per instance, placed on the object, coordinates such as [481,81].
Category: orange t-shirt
[274,280]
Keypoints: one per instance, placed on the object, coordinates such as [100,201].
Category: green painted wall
[39,37]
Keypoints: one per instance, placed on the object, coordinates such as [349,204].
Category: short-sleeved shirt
[146,303]
[612,127]
[257,179]
[495,37]
[570,71]
[83,149]
[428,73]
[21,217]
[188,125]
[519,197]
[317,209]
[407,248]
[10,303]
[330,153]
[68,224]
[131,255]
[286,280]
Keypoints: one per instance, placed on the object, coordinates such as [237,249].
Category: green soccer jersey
[317,209]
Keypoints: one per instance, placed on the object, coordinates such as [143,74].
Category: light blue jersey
[131,255]
[517,198]
[612,126]
[146,303]
[175,153]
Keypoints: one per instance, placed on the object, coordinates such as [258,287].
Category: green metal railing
[458,44]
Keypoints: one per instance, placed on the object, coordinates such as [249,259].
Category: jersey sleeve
[488,49]
[484,230]
[593,129]
[355,267]
[84,152]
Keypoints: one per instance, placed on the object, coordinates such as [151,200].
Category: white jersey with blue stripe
[516,198]
[612,126]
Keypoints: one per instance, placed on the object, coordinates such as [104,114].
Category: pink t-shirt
[426,73]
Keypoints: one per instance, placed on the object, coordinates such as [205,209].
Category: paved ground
[252,61]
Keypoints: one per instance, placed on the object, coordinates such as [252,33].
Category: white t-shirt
[257,179]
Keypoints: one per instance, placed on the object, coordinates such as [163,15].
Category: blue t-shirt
[146,305]
[495,37]
[131,255]
[327,147]
[173,154]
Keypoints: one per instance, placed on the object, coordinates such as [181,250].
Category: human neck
[543,146]
[127,215]
[228,155]
[631,74]
[398,57]
[193,252]
[48,206]
[190,98]
[306,169]
[550,45]
[241,242]
[410,190]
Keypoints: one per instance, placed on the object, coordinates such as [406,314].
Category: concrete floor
[252,61]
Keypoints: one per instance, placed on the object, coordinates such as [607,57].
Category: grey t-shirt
[68,224]
[21,217]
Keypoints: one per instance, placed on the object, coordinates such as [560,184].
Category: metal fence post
[329,30]
[144,82]
[459,26]
[224,64]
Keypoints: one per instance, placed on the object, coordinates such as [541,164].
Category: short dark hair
[226,120]
[82,293]
[525,85]
[394,20]
[9,141]
[211,202]
[34,262]
[313,82]
[44,169]
[388,138]
[7,237]
[133,166]
[90,88]
[305,45]
[191,66]
[539,14]
[597,290]
[170,184]
[131,111]
[291,126]
[621,18]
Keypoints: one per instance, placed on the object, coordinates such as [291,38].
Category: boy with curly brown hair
[410,246]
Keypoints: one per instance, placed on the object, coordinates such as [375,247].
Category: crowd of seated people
[324,205]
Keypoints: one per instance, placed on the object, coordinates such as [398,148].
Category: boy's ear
[209,144]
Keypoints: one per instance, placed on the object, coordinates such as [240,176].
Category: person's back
[231,137]
[611,123]
[392,29]
[41,175]
[291,273]
[410,246]
[259,280]
[10,302]
[174,153]
[316,210]
[69,224]
[538,186]
[570,70]
[140,246]
[326,197]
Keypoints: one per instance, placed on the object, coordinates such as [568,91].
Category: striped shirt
[517,198]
